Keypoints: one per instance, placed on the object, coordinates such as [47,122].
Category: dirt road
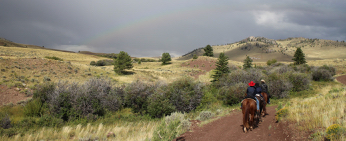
[229,128]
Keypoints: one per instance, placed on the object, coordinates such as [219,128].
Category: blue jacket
[251,92]
[258,90]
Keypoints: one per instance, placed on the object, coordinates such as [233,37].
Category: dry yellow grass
[129,131]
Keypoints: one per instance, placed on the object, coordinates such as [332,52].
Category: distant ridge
[261,49]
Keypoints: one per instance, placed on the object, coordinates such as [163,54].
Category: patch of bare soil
[342,79]
[10,95]
[203,64]
[230,128]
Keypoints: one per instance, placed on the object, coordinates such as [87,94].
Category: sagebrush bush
[171,127]
[240,76]
[54,58]
[159,104]
[278,85]
[5,121]
[69,101]
[281,69]
[136,95]
[305,68]
[232,94]
[185,94]
[300,81]
[205,115]
[324,73]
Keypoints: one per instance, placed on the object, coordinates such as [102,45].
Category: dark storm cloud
[151,27]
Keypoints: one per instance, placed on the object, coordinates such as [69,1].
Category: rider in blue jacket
[251,92]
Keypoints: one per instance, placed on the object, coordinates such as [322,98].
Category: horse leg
[251,121]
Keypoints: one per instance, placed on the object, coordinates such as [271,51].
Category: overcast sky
[150,27]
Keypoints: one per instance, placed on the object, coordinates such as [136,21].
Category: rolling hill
[261,49]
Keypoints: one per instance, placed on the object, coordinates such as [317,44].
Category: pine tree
[165,58]
[299,57]
[208,51]
[122,62]
[247,63]
[221,67]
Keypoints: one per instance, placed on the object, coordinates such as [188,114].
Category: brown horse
[249,110]
[265,97]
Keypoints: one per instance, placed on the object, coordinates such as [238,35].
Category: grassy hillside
[31,67]
[262,49]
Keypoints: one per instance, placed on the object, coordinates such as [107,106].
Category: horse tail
[246,116]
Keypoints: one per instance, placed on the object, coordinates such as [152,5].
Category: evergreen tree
[299,57]
[194,56]
[247,63]
[122,62]
[165,58]
[221,67]
[208,51]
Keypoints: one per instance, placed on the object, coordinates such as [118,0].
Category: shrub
[324,73]
[334,132]
[281,69]
[69,101]
[300,81]
[136,95]
[278,85]
[185,94]
[171,127]
[204,115]
[240,76]
[232,94]
[5,122]
[159,105]
[50,121]
[104,63]
[33,108]
[54,58]
[270,62]
[93,63]
[281,113]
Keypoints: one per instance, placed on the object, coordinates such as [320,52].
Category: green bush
[54,58]
[171,127]
[300,81]
[50,121]
[270,62]
[159,105]
[279,85]
[185,94]
[232,94]
[136,95]
[93,63]
[34,108]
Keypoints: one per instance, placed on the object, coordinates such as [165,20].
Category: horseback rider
[251,92]
[258,89]
[265,89]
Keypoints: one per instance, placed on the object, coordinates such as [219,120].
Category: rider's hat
[263,81]
[251,83]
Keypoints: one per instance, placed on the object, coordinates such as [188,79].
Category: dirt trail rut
[229,128]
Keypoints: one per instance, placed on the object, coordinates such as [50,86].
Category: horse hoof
[251,128]
[244,130]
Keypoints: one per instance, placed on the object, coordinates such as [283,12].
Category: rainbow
[151,20]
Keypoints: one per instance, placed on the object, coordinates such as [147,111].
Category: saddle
[258,95]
